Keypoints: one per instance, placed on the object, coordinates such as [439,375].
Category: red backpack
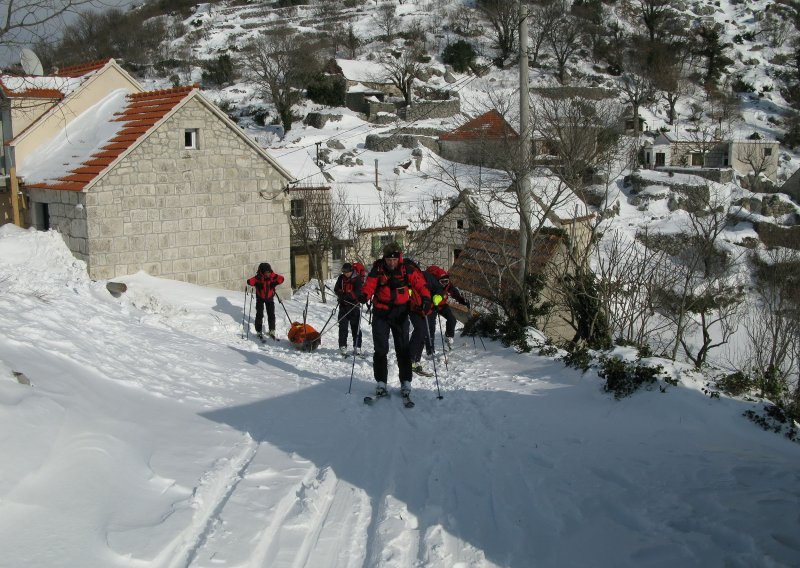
[361,271]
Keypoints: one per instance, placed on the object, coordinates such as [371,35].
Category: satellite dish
[30,63]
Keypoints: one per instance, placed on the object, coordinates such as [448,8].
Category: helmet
[392,250]
[347,267]
[264,268]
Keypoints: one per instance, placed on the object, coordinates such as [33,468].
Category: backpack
[437,271]
[360,271]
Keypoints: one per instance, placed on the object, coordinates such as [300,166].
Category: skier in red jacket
[265,281]
[389,285]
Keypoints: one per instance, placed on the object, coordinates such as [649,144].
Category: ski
[371,399]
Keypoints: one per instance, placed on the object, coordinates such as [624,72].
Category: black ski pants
[420,337]
[450,321]
[260,314]
[349,316]
[394,322]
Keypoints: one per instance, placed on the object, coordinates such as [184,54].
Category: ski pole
[444,349]
[250,312]
[284,310]
[244,311]
[333,311]
[433,358]
[355,341]
[341,318]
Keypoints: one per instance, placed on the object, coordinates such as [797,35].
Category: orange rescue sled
[304,337]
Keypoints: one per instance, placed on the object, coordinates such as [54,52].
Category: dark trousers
[384,322]
[420,337]
[351,320]
[450,321]
[260,314]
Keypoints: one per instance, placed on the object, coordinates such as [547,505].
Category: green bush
[219,71]
[327,90]
[460,55]
[624,378]
[735,384]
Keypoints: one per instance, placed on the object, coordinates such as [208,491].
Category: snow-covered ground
[151,434]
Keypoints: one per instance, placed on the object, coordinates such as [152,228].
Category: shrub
[735,384]
[219,71]
[327,90]
[460,55]
[624,378]
[578,358]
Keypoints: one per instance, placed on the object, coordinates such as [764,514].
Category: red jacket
[265,284]
[392,289]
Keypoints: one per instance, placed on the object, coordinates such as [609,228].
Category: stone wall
[475,152]
[67,212]
[205,216]
[437,244]
[422,110]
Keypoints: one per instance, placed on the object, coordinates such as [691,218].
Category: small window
[337,252]
[298,208]
[456,253]
[460,223]
[191,139]
[697,159]
[767,151]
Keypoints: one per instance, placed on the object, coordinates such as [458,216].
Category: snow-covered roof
[38,86]
[362,71]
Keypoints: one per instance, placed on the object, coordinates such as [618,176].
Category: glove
[426,306]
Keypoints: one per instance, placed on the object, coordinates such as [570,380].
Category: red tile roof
[490,125]
[82,69]
[487,265]
[32,93]
[143,111]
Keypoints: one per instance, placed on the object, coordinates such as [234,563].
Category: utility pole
[525,143]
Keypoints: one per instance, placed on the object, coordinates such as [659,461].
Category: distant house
[442,242]
[702,150]
[483,141]
[791,186]
[486,270]
[162,182]
[370,241]
[34,108]
[310,230]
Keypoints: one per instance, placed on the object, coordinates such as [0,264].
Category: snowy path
[164,440]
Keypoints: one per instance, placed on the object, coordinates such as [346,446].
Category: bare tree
[503,16]
[563,38]
[281,63]
[388,21]
[772,324]
[756,156]
[704,296]
[670,80]
[636,86]
[629,274]
[313,223]
[655,15]
[24,22]
[402,71]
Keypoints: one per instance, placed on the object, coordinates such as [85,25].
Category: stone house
[442,241]
[482,141]
[485,271]
[702,150]
[34,108]
[370,241]
[791,186]
[162,182]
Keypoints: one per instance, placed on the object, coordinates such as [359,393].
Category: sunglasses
[444,281]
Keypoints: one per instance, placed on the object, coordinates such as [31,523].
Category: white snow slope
[151,434]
